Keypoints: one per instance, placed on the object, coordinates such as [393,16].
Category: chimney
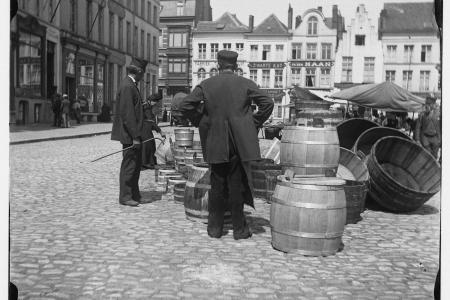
[319,8]
[290,12]
[298,20]
[334,18]
[250,22]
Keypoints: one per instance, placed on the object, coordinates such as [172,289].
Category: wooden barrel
[368,138]
[196,194]
[171,182]
[184,137]
[178,191]
[190,155]
[355,199]
[162,168]
[199,158]
[349,131]
[330,118]
[351,167]
[162,173]
[196,145]
[307,216]
[403,175]
[310,151]
[264,172]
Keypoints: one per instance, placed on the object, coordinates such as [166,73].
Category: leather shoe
[215,233]
[130,203]
[242,234]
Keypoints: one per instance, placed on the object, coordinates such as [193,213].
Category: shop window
[30,59]
[265,79]
[85,81]
[310,77]
[278,78]
[201,74]
[213,72]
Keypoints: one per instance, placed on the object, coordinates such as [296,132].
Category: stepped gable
[228,22]
[408,18]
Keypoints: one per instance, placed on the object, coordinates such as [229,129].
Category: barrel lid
[328,181]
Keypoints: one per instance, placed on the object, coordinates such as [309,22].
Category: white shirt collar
[134,80]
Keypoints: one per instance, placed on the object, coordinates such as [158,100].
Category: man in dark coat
[221,108]
[127,128]
[428,127]
[56,107]
[149,148]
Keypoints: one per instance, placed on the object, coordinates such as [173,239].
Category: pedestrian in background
[220,107]
[428,129]
[56,107]
[127,129]
[150,124]
[77,110]
[65,110]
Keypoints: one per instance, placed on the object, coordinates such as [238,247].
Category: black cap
[138,63]
[227,57]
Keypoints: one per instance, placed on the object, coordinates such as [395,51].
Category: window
[278,78]
[155,18]
[407,77]
[136,8]
[325,77]
[100,24]
[390,76]
[326,51]
[408,53]
[296,76]
[154,88]
[119,75]
[88,18]
[226,46]
[121,34]
[253,52]
[347,68]
[279,49]
[424,84]
[111,30]
[425,55]
[154,47]
[391,52]
[312,26]
[202,51]
[239,47]
[296,51]
[100,85]
[177,39]
[142,43]
[311,51]
[135,41]
[148,82]
[177,65]
[30,56]
[360,40]
[201,74]
[254,75]
[129,37]
[38,7]
[143,9]
[73,15]
[240,72]
[85,80]
[279,111]
[213,72]
[180,8]
[214,50]
[149,12]
[265,78]
[369,69]
[310,77]
[148,47]
[266,52]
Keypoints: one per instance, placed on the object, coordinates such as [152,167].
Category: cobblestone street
[70,239]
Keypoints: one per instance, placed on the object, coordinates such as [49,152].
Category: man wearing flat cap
[150,125]
[127,129]
[221,108]
[428,128]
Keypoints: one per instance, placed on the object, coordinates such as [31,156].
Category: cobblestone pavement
[70,239]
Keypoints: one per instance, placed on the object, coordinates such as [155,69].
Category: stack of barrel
[186,150]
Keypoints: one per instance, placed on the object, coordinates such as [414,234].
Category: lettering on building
[311,63]
[266,65]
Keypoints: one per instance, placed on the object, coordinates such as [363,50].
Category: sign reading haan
[311,63]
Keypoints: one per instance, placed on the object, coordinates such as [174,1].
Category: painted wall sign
[311,63]
[266,65]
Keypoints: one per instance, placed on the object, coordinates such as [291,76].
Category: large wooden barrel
[307,215]
[403,175]
[310,151]
[178,191]
[196,194]
[349,131]
[368,138]
[264,174]
[184,137]
[330,118]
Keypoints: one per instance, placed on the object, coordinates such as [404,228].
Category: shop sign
[266,65]
[311,63]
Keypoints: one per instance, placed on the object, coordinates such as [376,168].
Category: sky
[263,8]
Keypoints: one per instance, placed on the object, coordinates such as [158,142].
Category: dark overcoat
[221,108]
[149,148]
[128,113]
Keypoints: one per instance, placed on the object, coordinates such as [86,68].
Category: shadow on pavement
[423,210]
[150,196]
[257,224]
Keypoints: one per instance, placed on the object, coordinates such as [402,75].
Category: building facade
[359,58]
[410,42]
[178,18]
[81,48]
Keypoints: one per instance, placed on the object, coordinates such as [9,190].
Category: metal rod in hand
[155,138]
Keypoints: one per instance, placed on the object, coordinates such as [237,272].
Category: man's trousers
[130,170]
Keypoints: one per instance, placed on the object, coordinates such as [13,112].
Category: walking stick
[155,138]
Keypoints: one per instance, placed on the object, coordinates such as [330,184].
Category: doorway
[23,113]
[50,69]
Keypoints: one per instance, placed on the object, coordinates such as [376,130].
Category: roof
[271,25]
[226,23]
[408,18]
[169,8]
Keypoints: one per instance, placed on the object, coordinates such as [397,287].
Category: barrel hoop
[307,205]
[331,166]
[313,187]
[198,185]
[310,143]
[309,235]
[197,213]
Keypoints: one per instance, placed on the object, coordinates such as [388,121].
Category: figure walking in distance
[127,129]
[221,108]
[428,128]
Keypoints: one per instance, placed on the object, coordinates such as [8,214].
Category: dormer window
[180,8]
[312,26]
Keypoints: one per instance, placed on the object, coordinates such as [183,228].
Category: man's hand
[137,143]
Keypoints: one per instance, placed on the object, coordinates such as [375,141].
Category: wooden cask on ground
[184,137]
[307,216]
[264,173]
